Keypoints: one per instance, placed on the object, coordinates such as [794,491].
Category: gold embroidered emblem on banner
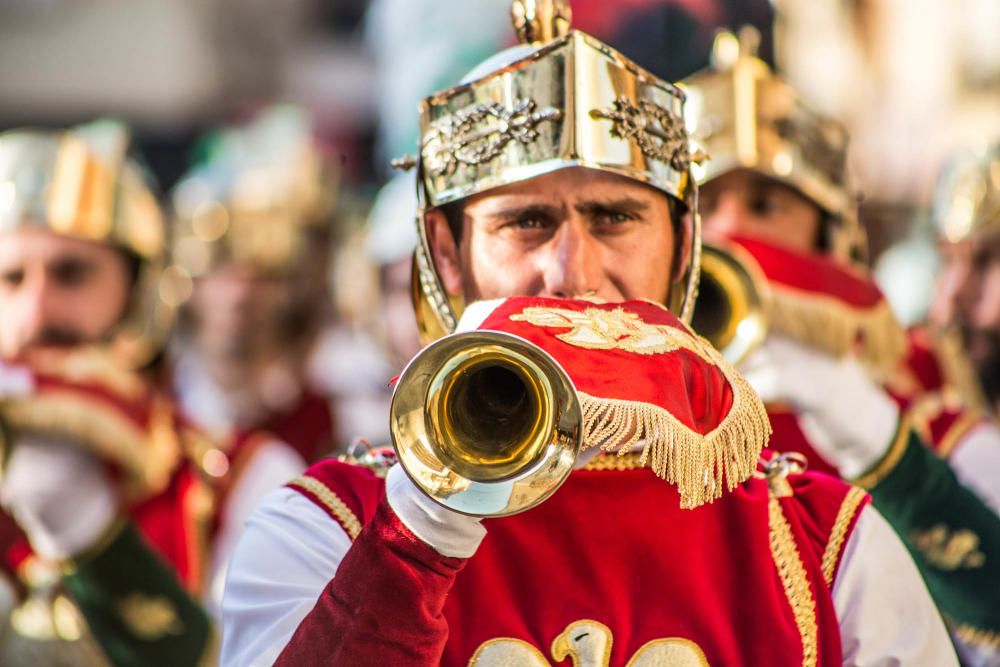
[599,329]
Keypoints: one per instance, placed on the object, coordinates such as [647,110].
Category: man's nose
[36,308]
[573,265]
[967,287]
[727,216]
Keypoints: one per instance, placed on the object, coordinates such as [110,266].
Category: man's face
[57,290]
[571,233]
[745,203]
[239,312]
[967,294]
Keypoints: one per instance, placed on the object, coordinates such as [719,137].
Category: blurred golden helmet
[80,183]
[746,117]
[260,200]
[967,200]
[561,99]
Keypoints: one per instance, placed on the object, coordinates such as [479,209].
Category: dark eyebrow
[65,263]
[529,211]
[623,205]
[760,182]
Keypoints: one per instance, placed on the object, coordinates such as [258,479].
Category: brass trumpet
[486,423]
[730,309]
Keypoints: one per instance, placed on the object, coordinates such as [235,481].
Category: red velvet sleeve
[383,607]
[14,549]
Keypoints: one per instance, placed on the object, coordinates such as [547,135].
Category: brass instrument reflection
[486,423]
[730,309]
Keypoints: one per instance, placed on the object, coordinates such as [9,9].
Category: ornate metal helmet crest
[572,101]
[746,117]
[80,183]
[967,201]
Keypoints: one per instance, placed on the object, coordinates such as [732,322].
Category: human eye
[765,203]
[612,221]
[11,278]
[70,273]
[530,222]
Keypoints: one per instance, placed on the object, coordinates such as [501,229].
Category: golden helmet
[261,199]
[746,117]
[561,99]
[967,200]
[80,183]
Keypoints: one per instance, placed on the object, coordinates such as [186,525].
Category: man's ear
[683,238]
[444,251]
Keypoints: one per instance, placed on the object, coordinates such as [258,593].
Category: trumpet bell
[729,311]
[486,423]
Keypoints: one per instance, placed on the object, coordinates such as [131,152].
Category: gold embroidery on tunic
[588,644]
[149,618]
[847,510]
[332,502]
[630,461]
[891,458]
[795,581]
[987,639]
[949,550]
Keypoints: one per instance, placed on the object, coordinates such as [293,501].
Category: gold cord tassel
[701,466]
[830,325]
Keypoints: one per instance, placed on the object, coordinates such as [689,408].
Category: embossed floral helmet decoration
[567,100]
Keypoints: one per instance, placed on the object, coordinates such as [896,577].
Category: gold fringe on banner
[701,466]
[831,325]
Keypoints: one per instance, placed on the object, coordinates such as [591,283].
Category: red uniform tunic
[308,426]
[608,570]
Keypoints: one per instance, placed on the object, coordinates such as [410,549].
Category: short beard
[987,366]
[55,337]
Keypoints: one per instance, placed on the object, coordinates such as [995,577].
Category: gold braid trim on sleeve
[838,535]
[696,463]
[890,460]
[332,502]
[795,581]
[148,458]
[833,326]
[987,639]
[958,430]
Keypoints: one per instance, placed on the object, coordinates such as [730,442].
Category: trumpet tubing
[729,311]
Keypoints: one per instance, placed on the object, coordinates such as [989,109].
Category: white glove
[447,532]
[848,418]
[59,494]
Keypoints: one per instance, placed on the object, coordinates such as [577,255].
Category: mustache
[55,336]
[988,333]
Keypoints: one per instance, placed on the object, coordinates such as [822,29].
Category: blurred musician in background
[97,472]
[254,225]
[815,337]
[967,298]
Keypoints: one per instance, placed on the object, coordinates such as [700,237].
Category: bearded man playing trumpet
[95,464]
[554,184]
[802,318]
